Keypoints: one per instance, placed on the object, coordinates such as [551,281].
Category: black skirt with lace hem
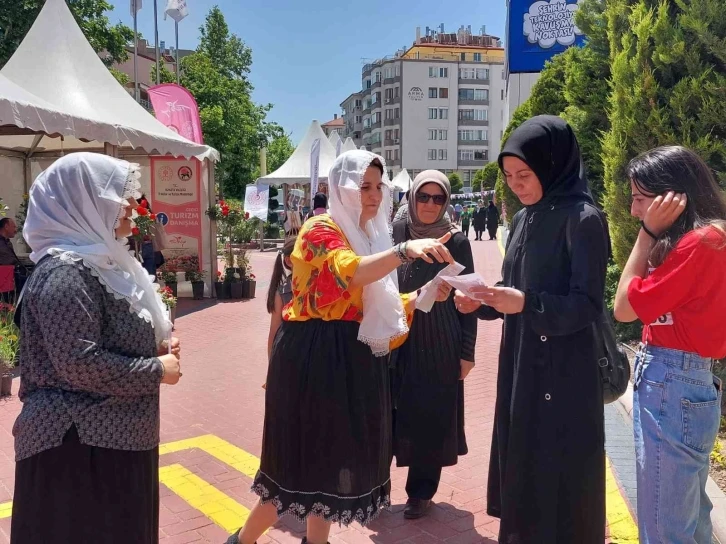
[326,447]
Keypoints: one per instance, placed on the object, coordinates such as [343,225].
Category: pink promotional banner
[175,107]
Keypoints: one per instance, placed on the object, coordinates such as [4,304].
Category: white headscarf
[74,208]
[384,318]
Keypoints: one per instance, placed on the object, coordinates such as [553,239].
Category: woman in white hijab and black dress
[326,447]
[429,369]
[94,351]
[547,465]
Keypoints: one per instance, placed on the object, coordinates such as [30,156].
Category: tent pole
[110,150]
[213,265]
[176,27]
[156,39]
[136,54]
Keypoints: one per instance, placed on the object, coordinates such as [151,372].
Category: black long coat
[480,219]
[427,393]
[546,473]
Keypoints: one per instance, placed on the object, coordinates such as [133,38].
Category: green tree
[17,16]
[278,151]
[668,87]
[486,178]
[167,76]
[216,75]
[456,184]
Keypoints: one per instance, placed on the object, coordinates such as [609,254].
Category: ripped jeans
[676,415]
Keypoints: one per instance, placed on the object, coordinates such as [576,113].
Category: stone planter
[173,287]
[6,380]
[198,290]
[250,286]
[237,289]
[222,290]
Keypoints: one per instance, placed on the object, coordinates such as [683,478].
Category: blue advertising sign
[538,30]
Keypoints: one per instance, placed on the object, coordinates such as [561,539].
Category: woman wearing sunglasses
[428,393]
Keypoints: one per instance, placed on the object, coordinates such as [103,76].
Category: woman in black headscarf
[547,466]
[492,220]
[428,384]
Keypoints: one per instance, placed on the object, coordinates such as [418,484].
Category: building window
[473,135]
[481,155]
[474,94]
[389,94]
[466,154]
[477,57]
[368,84]
[481,94]
[396,155]
[443,72]
[358,119]
[395,133]
[358,104]
[389,155]
[463,57]
[395,92]
[502,94]
[433,134]
[443,92]
[433,113]
[443,113]
[377,117]
[367,122]
[388,135]
[378,77]
[474,73]
[482,73]
[467,177]
[443,134]
[433,92]
[442,154]
[398,113]
[432,154]
[433,71]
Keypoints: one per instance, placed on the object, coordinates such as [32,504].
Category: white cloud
[550,22]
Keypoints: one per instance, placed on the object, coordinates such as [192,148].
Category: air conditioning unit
[396,141]
[388,100]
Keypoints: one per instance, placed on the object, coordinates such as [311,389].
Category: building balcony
[366,92]
[389,81]
[368,69]
[473,123]
[367,130]
[376,85]
[394,162]
[376,106]
[473,102]
[470,164]
[478,143]
[392,122]
[367,111]
[375,126]
[473,81]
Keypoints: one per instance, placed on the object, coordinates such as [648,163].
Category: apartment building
[437,105]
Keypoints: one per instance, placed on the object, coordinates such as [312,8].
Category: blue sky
[307,56]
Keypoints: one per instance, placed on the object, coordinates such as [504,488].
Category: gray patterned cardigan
[87,361]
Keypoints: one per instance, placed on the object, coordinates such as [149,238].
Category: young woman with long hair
[280,290]
[674,283]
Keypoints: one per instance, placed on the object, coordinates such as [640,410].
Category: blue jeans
[676,414]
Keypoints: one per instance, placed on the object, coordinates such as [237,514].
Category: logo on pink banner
[175,107]
[176,199]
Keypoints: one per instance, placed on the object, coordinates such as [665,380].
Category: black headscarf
[549,147]
[320,200]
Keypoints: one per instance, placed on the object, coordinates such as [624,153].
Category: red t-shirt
[683,299]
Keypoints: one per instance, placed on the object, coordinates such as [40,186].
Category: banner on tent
[176,198]
[257,201]
[314,166]
[176,9]
[176,108]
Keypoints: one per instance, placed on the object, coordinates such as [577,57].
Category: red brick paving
[224,363]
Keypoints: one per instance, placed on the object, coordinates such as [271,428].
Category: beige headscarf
[417,229]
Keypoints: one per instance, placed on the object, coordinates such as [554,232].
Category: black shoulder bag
[611,359]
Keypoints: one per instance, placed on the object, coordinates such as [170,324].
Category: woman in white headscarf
[93,352]
[326,449]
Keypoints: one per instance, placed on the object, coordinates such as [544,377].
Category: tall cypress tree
[668,63]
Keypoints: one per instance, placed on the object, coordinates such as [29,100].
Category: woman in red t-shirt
[674,283]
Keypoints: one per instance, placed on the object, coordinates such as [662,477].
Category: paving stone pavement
[224,363]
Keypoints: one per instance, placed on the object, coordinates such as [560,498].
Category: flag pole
[136,53]
[156,39]
[176,27]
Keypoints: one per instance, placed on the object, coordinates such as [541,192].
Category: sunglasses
[423,198]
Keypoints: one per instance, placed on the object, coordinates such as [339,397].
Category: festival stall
[57,97]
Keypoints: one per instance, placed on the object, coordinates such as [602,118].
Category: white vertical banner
[136,5]
[338,147]
[314,167]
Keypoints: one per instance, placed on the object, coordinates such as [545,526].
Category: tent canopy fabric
[334,138]
[56,84]
[402,180]
[349,145]
[297,168]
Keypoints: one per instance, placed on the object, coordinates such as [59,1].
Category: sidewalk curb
[717,497]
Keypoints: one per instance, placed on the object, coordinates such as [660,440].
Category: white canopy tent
[297,168]
[57,96]
[349,145]
[402,181]
[334,138]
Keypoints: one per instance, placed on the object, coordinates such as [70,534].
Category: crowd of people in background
[361,374]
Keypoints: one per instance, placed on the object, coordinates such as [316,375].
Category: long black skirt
[86,495]
[326,448]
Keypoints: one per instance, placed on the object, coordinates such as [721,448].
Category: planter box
[237,290]
[198,290]
[222,290]
[250,286]
[173,287]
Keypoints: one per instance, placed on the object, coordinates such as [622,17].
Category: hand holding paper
[426,299]
[469,284]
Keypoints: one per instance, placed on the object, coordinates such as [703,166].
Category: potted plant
[236,285]
[197,279]
[170,300]
[168,278]
[9,345]
[143,226]
[250,286]
[219,287]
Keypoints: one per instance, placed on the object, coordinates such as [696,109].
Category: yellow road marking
[203,496]
[622,527]
[235,457]
[6,508]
